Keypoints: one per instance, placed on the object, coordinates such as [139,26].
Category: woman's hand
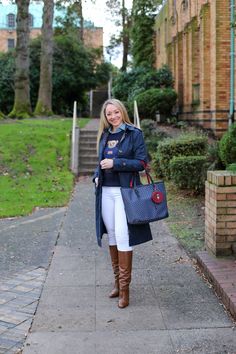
[106,163]
[96,181]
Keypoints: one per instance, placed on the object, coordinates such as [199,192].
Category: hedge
[185,145]
[227,146]
[155,99]
[189,172]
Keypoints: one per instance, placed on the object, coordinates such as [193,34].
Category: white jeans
[113,214]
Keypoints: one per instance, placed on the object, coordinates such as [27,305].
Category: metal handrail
[75,142]
[136,115]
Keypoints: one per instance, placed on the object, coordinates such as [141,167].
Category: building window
[184,5]
[158,41]
[166,31]
[31,20]
[196,94]
[11,20]
[10,43]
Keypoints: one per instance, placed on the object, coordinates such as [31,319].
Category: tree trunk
[79,9]
[125,36]
[44,102]
[22,106]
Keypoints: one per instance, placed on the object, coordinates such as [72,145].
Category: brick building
[93,36]
[193,38]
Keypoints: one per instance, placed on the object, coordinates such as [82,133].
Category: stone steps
[87,152]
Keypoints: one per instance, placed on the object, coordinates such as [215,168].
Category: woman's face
[113,116]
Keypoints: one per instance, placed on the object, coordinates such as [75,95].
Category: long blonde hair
[103,120]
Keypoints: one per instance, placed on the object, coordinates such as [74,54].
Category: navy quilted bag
[145,203]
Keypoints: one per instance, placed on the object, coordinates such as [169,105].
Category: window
[31,20]
[184,5]
[11,20]
[10,43]
[166,31]
[196,94]
[158,41]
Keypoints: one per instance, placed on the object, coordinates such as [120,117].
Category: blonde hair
[103,120]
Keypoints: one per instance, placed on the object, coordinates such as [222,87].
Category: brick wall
[11,34]
[93,37]
[198,51]
[220,212]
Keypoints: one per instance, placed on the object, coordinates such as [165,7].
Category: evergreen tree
[142,32]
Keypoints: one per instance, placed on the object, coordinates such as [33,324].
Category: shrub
[185,145]
[124,83]
[152,135]
[188,171]
[153,100]
[165,77]
[127,85]
[213,157]
[227,147]
[231,167]
[148,126]
[154,140]
[7,71]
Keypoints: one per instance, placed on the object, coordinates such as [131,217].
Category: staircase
[88,159]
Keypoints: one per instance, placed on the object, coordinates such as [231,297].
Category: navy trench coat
[128,163]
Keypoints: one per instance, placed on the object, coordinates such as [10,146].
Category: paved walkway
[26,247]
[172,309]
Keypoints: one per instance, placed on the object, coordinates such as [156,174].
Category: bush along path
[186,207]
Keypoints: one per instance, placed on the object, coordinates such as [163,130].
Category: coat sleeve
[140,154]
[96,173]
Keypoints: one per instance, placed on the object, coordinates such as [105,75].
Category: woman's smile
[114,116]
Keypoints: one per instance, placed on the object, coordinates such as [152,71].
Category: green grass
[34,164]
[186,216]
[186,220]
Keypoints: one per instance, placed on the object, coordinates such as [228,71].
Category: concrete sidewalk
[172,310]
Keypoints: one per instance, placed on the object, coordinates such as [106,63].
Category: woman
[122,154]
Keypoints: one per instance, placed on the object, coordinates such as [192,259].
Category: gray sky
[98,14]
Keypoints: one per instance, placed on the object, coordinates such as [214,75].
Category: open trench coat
[128,163]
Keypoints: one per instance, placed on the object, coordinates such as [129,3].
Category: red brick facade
[93,37]
[220,212]
[193,38]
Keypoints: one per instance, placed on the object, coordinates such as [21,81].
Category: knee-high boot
[125,267]
[115,267]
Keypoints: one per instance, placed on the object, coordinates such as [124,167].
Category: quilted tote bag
[145,203]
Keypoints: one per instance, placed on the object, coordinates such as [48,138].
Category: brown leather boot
[115,266]
[125,266]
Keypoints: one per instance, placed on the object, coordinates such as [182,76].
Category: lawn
[34,164]
[186,217]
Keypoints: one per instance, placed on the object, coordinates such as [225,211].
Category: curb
[221,272]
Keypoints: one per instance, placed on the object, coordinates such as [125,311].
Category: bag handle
[148,176]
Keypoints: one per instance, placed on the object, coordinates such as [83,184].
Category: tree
[73,18]
[120,11]
[75,72]
[22,106]
[7,72]
[142,32]
[44,102]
